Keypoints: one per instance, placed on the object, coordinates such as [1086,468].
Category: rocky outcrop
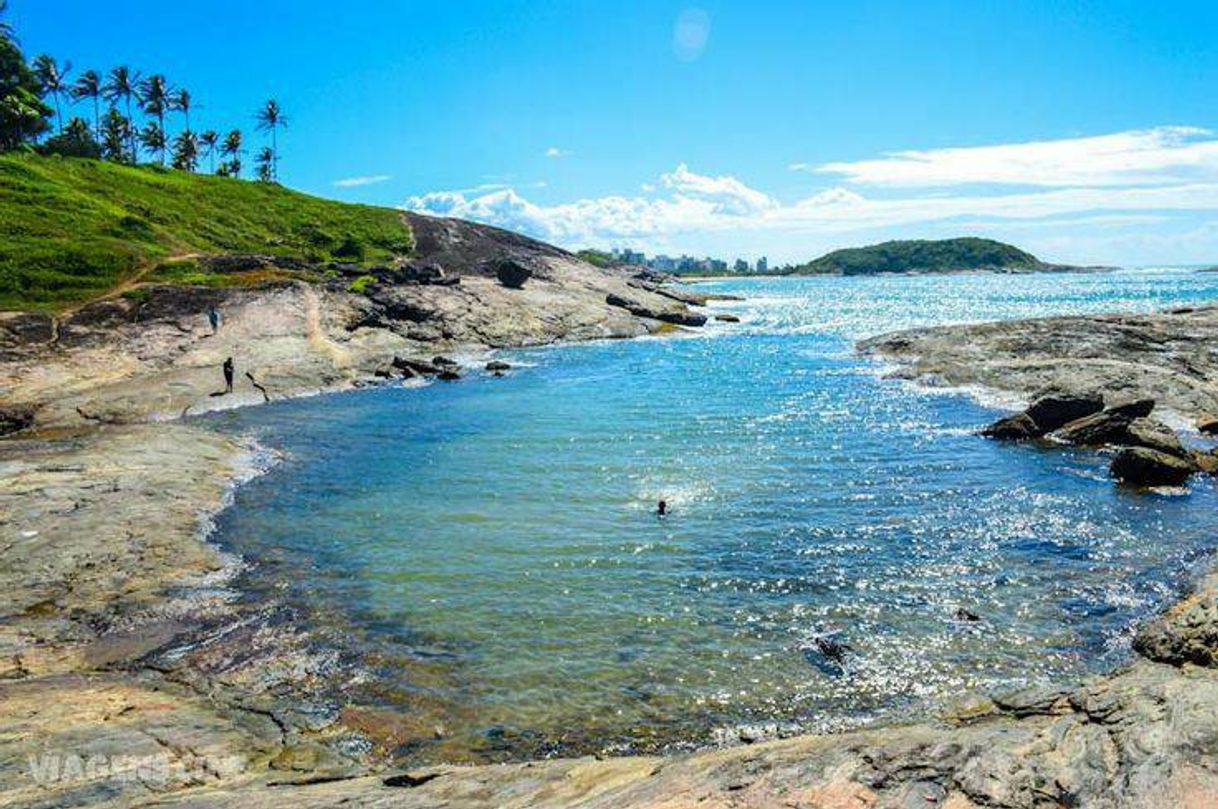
[678,317]
[1186,633]
[1163,356]
[1150,452]
[1156,435]
[1016,427]
[1045,415]
[1143,466]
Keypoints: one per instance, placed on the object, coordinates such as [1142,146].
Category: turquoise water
[487,555]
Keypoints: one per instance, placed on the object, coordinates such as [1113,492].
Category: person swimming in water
[662,509]
[228,375]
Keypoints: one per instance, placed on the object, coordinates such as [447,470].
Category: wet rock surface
[1164,356]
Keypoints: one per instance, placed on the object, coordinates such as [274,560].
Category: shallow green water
[487,551]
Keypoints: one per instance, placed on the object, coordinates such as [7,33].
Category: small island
[965,254]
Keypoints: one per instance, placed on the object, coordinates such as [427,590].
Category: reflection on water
[491,551]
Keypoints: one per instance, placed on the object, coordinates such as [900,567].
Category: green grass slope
[71,229]
[946,255]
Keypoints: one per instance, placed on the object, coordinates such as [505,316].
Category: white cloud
[1165,187]
[355,182]
[727,195]
[1139,157]
[554,153]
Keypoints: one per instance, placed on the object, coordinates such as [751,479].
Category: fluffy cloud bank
[1141,157]
[1139,176]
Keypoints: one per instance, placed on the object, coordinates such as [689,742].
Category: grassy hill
[71,229]
[947,255]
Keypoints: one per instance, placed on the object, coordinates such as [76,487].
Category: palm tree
[154,97]
[210,140]
[232,150]
[270,118]
[186,151]
[153,138]
[266,164]
[180,101]
[116,136]
[121,86]
[53,78]
[6,29]
[89,85]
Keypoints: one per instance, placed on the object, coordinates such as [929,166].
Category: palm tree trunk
[131,133]
[58,112]
[97,119]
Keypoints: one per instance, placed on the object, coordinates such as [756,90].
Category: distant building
[628,256]
[762,264]
[663,263]
[741,265]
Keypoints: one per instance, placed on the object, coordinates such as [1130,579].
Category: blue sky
[1081,131]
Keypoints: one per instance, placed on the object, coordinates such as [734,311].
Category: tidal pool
[487,553]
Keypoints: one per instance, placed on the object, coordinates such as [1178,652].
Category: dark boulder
[832,648]
[419,367]
[1045,415]
[425,273]
[15,418]
[1133,409]
[1096,430]
[1141,466]
[1018,427]
[613,299]
[512,274]
[727,318]
[652,276]
[26,328]
[1056,410]
[417,273]
[444,362]
[1155,435]
[1207,424]
[498,365]
[680,317]
[448,375]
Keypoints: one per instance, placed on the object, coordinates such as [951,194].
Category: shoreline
[301,749]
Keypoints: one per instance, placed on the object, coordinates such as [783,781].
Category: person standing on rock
[213,317]
[228,375]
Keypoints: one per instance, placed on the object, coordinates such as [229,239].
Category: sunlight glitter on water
[490,547]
